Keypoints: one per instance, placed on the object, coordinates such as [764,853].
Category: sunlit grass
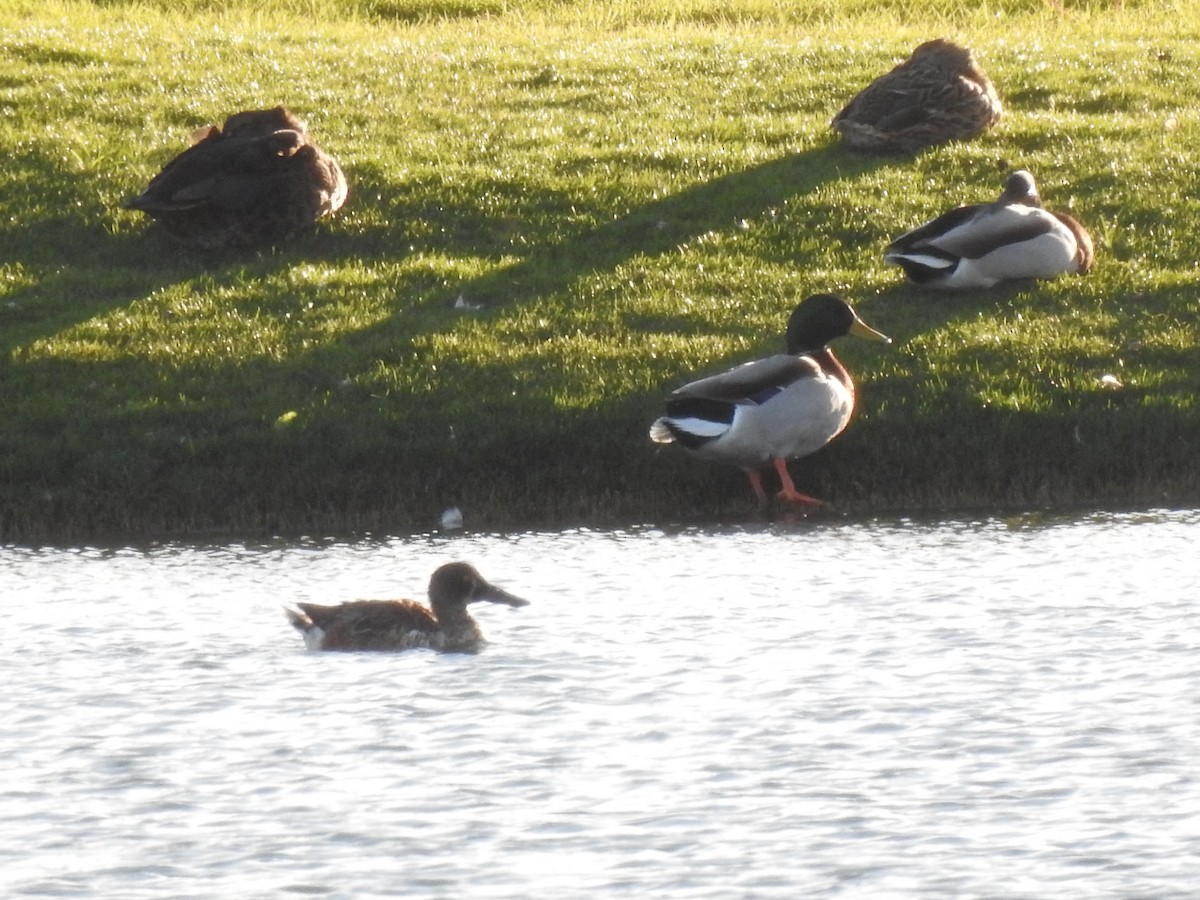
[559,212]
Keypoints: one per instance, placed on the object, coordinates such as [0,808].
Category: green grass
[631,195]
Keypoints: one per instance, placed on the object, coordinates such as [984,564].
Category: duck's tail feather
[923,267]
[660,432]
[689,431]
[314,635]
[300,621]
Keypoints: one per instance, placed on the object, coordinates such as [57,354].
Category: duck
[981,245]
[939,94]
[250,183]
[771,410]
[393,625]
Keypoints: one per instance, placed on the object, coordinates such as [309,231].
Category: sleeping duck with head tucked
[774,409]
[939,94]
[979,246]
[251,183]
[392,625]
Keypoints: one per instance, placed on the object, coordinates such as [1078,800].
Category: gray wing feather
[975,236]
[751,378]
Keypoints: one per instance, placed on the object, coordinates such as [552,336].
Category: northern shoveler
[405,624]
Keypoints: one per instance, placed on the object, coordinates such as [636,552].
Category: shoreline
[607,243]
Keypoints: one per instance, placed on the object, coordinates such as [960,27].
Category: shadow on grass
[71,259]
[1057,433]
[128,447]
[78,259]
[102,446]
[662,226]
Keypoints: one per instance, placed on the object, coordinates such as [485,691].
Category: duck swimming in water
[979,246]
[938,94]
[771,410]
[391,625]
[253,182]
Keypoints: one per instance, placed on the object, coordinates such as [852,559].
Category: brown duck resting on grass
[774,409]
[391,625]
[251,183]
[938,94]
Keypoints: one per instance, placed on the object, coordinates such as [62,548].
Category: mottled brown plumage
[252,183]
[392,625]
[938,94]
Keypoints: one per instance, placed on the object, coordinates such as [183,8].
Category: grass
[623,197]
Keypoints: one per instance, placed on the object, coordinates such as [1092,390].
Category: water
[891,710]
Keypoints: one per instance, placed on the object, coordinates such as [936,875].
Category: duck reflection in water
[391,625]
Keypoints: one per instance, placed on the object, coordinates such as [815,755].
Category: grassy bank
[621,198]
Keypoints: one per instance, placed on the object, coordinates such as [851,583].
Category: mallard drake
[939,94]
[405,624]
[250,183]
[981,245]
[771,410]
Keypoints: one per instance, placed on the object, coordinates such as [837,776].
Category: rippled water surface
[971,709]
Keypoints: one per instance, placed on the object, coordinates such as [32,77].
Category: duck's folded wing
[907,110]
[371,616]
[999,228]
[749,382]
[972,232]
[936,229]
[958,100]
[219,171]
[872,104]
